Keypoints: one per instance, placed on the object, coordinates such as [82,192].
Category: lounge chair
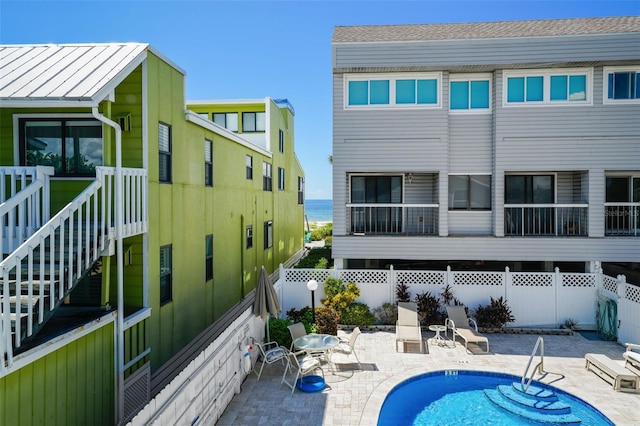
[613,372]
[463,326]
[632,358]
[408,325]
[347,346]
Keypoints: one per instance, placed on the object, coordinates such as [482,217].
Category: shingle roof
[504,29]
[64,73]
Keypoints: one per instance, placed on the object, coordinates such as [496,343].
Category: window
[621,84]
[208,162]
[280,179]
[249,167]
[467,94]
[470,192]
[165,274]
[72,146]
[268,234]
[376,189]
[204,115]
[529,189]
[253,122]
[228,120]
[402,90]
[281,140]
[208,257]
[164,148]
[622,189]
[548,87]
[266,176]
[249,236]
[300,190]
[383,190]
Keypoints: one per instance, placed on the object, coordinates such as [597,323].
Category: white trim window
[409,90]
[621,85]
[470,93]
[548,87]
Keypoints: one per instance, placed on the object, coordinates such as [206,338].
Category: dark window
[165,274]
[72,146]
[281,140]
[164,148]
[268,234]
[208,162]
[280,178]
[536,189]
[469,192]
[249,167]
[253,122]
[249,236]
[623,85]
[208,257]
[376,189]
[266,176]
[300,190]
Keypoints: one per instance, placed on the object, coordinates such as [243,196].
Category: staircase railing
[525,382]
[56,256]
[24,204]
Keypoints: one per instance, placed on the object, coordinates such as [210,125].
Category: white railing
[526,380]
[24,204]
[537,299]
[622,219]
[392,219]
[39,274]
[546,219]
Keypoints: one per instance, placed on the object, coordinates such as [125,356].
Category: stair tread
[497,398]
[535,391]
[547,404]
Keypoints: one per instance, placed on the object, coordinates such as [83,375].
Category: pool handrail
[539,367]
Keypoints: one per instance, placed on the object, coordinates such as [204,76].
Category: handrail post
[539,367]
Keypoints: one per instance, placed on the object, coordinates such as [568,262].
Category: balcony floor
[354,397]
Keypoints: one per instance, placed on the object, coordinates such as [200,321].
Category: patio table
[314,343]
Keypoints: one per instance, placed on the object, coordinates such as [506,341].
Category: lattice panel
[420,277]
[304,275]
[532,280]
[578,280]
[364,276]
[633,293]
[610,284]
[478,278]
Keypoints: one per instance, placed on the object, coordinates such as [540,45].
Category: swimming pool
[461,397]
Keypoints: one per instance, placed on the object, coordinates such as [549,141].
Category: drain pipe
[119,219]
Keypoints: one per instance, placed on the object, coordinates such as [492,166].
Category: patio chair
[463,326]
[632,358]
[298,368]
[408,325]
[296,330]
[347,347]
[270,353]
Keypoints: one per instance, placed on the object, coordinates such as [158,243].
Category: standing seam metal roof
[503,29]
[69,72]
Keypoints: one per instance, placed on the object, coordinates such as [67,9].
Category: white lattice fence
[629,315]
[532,298]
[577,299]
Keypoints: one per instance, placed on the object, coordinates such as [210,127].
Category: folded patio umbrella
[266,303]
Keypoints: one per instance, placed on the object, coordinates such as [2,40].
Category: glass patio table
[317,343]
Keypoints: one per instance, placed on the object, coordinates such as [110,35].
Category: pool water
[457,398]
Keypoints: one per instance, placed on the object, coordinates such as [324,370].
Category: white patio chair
[347,347]
[463,326]
[299,368]
[270,353]
[408,325]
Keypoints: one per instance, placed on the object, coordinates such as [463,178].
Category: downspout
[119,260]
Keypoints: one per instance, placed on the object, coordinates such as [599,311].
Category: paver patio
[354,397]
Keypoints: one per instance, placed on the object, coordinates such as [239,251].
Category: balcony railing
[622,219]
[546,220]
[392,219]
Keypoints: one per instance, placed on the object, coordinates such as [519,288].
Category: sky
[254,49]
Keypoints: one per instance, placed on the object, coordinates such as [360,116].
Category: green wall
[71,386]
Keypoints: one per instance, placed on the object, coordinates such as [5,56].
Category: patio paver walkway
[354,397]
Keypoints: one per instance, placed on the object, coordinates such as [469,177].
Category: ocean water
[318,210]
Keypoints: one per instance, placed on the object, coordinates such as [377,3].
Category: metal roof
[504,29]
[65,74]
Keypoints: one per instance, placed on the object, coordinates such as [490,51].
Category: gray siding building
[486,145]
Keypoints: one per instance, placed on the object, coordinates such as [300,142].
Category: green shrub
[317,235]
[327,320]
[328,241]
[327,229]
[338,295]
[278,331]
[428,308]
[495,315]
[313,256]
[387,314]
[402,293]
[357,314]
[322,263]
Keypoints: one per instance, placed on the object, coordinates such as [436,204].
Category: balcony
[392,219]
[536,220]
[622,219]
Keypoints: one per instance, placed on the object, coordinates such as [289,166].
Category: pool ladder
[525,382]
